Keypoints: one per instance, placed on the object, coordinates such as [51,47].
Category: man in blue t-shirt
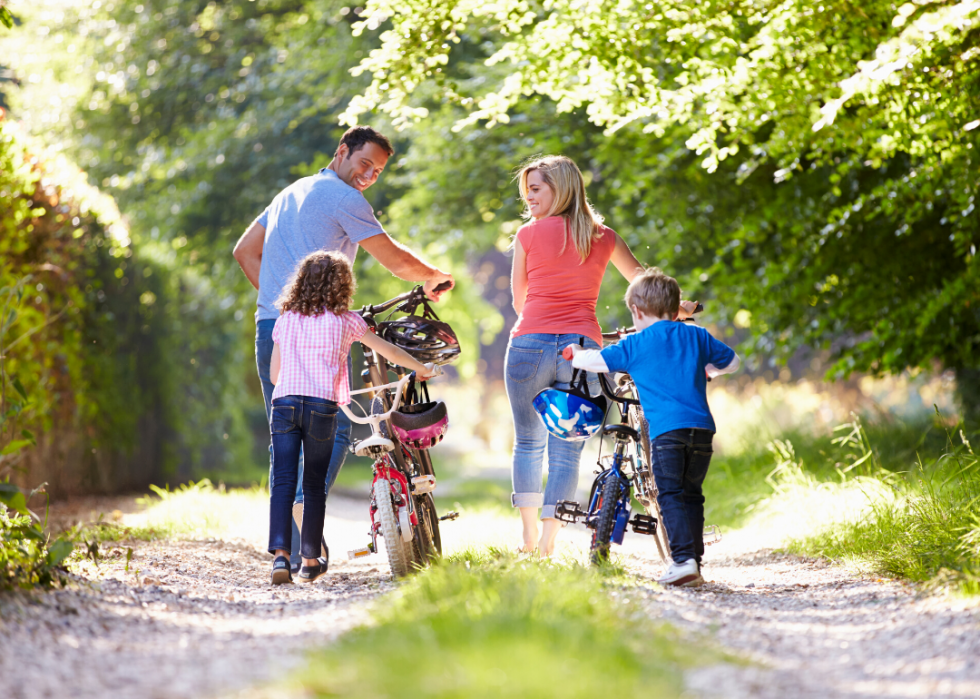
[670,363]
[326,211]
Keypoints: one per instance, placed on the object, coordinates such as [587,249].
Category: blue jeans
[263,358]
[300,422]
[680,463]
[534,363]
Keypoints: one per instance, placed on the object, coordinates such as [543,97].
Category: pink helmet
[422,425]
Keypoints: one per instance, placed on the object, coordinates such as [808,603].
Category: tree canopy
[839,141]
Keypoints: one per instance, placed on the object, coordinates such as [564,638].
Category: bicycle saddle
[621,431]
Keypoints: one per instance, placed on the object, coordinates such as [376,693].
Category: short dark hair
[356,136]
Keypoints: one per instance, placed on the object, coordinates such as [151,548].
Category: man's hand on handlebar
[439,284]
[431,371]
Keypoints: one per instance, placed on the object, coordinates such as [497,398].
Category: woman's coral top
[562,290]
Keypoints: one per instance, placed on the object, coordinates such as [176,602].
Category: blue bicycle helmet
[571,414]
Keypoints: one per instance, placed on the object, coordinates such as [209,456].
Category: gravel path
[199,619]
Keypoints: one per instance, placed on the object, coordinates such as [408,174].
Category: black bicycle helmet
[426,339]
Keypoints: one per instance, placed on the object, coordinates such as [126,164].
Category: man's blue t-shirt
[321,212]
[667,361]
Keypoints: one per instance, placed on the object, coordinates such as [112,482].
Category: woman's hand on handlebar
[437,285]
[687,309]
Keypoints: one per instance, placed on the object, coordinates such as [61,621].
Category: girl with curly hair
[312,340]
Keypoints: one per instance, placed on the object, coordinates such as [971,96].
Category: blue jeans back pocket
[322,426]
[522,364]
[283,419]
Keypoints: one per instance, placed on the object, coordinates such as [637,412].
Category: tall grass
[485,624]
[921,524]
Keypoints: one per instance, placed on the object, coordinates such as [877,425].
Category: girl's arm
[624,259]
[518,277]
[274,365]
[396,355]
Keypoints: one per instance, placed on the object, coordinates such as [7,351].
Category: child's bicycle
[402,508]
[629,467]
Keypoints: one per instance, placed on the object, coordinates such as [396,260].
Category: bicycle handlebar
[381,417]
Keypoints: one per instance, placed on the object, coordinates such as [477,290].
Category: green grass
[926,528]
[485,624]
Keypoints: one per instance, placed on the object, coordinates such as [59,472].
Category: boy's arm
[732,366]
[588,359]
[721,358]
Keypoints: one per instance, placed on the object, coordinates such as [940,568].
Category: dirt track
[200,620]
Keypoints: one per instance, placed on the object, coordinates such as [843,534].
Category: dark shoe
[308,574]
[324,555]
[281,573]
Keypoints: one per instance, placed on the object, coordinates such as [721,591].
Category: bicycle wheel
[397,558]
[606,520]
[639,422]
[426,544]
[426,505]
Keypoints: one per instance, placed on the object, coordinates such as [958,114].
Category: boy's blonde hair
[565,179]
[654,293]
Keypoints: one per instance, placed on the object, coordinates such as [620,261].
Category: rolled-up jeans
[341,442]
[534,363]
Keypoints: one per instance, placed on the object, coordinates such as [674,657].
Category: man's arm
[405,264]
[248,251]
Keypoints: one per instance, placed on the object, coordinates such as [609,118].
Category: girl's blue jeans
[300,422]
[263,358]
[534,363]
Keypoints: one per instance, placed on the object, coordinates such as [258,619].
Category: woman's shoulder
[532,229]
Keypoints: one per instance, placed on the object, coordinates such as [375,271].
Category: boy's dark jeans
[680,463]
[310,423]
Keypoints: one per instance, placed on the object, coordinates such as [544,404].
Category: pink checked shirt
[313,354]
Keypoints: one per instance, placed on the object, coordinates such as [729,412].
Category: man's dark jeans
[300,422]
[680,463]
[263,358]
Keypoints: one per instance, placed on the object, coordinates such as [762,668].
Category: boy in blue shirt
[670,363]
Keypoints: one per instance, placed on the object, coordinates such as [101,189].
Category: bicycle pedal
[644,524]
[449,517]
[360,553]
[569,511]
[423,484]
[711,535]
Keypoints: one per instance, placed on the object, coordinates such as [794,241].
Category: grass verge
[485,624]
[922,524]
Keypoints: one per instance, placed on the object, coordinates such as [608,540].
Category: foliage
[102,331]
[494,625]
[927,529]
[841,141]
[27,556]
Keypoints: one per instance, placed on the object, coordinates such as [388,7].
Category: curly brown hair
[323,282]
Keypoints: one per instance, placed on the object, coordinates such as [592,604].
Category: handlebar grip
[567,353]
[445,286]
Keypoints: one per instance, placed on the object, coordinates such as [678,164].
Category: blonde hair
[654,293]
[565,179]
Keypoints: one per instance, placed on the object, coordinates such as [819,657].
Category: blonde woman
[560,257]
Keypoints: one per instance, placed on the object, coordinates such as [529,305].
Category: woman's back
[561,288]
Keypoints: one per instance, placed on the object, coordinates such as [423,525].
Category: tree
[841,142]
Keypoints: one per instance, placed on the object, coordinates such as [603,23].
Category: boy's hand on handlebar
[439,284]
[570,351]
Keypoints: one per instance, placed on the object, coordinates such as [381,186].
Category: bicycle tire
[395,547]
[640,424]
[605,521]
[425,542]
[425,469]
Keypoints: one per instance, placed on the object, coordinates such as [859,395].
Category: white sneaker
[686,574]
